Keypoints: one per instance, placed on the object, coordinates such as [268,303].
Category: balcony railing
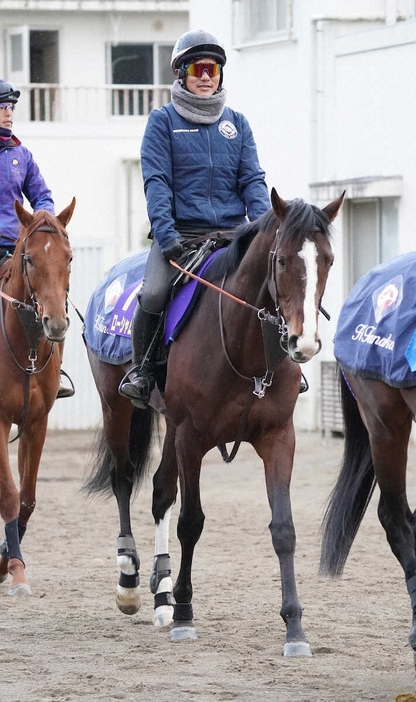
[46,102]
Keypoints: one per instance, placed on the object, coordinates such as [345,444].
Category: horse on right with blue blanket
[375,346]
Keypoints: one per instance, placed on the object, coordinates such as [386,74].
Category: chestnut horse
[233,375]
[375,347]
[33,322]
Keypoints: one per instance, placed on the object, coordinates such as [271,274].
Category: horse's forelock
[300,220]
[41,218]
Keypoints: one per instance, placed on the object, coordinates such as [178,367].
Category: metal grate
[331,412]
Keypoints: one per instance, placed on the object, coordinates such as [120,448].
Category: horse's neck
[250,280]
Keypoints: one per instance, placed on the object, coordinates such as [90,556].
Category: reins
[274,353]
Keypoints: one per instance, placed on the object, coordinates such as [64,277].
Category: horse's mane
[40,218]
[300,220]
[230,258]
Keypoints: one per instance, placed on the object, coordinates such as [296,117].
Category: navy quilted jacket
[201,175]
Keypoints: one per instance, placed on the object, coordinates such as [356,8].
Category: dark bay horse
[375,347]
[34,286]
[233,375]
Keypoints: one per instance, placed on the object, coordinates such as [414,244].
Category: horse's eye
[281,261]
[28,260]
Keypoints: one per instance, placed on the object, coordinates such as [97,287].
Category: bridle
[31,324]
[23,267]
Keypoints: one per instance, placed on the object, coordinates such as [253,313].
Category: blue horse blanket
[376,332]
[108,318]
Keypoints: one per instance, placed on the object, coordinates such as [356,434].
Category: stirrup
[65,390]
[128,389]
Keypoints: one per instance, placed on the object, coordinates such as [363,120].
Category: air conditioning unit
[331,412]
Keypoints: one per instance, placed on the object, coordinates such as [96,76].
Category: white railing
[47,102]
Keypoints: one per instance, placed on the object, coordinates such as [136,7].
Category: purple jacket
[19,175]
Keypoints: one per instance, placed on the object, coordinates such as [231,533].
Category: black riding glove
[174,250]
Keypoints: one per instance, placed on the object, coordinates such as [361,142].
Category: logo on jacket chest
[227,129]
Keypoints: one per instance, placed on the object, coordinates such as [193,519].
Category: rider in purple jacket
[19,175]
[201,174]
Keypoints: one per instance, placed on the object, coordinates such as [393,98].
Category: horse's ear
[23,215]
[66,214]
[279,205]
[332,209]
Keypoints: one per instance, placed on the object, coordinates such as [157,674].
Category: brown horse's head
[42,264]
[301,261]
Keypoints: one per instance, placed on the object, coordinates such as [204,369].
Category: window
[261,20]
[139,64]
[374,233]
[33,58]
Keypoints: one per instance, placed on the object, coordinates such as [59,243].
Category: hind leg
[114,457]
[389,432]
[164,495]
[116,422]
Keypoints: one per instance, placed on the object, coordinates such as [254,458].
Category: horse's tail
[350,497]
[143,426]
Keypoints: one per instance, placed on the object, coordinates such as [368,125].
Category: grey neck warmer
[197,109]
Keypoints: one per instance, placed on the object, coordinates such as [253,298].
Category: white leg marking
[162,534]
[163,615]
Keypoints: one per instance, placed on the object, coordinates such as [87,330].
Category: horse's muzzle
[300,350]
[55,329]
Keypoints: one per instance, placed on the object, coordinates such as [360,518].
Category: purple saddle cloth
[108,318]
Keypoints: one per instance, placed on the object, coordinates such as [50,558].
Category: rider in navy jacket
[201,173]
[204,175]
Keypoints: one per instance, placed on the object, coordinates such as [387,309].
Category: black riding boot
[139,382]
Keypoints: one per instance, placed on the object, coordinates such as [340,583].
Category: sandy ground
[69,642]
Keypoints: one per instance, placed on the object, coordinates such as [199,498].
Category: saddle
[107,323]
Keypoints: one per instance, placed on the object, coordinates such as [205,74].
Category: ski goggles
[197,69]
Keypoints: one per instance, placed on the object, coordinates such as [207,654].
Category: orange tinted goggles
[197,69]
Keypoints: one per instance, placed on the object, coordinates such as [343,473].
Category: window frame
[242,25]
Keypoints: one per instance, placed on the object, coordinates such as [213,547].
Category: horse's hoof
[23,589]
[163,616]
[183,633]
[294,649]
[128,599]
